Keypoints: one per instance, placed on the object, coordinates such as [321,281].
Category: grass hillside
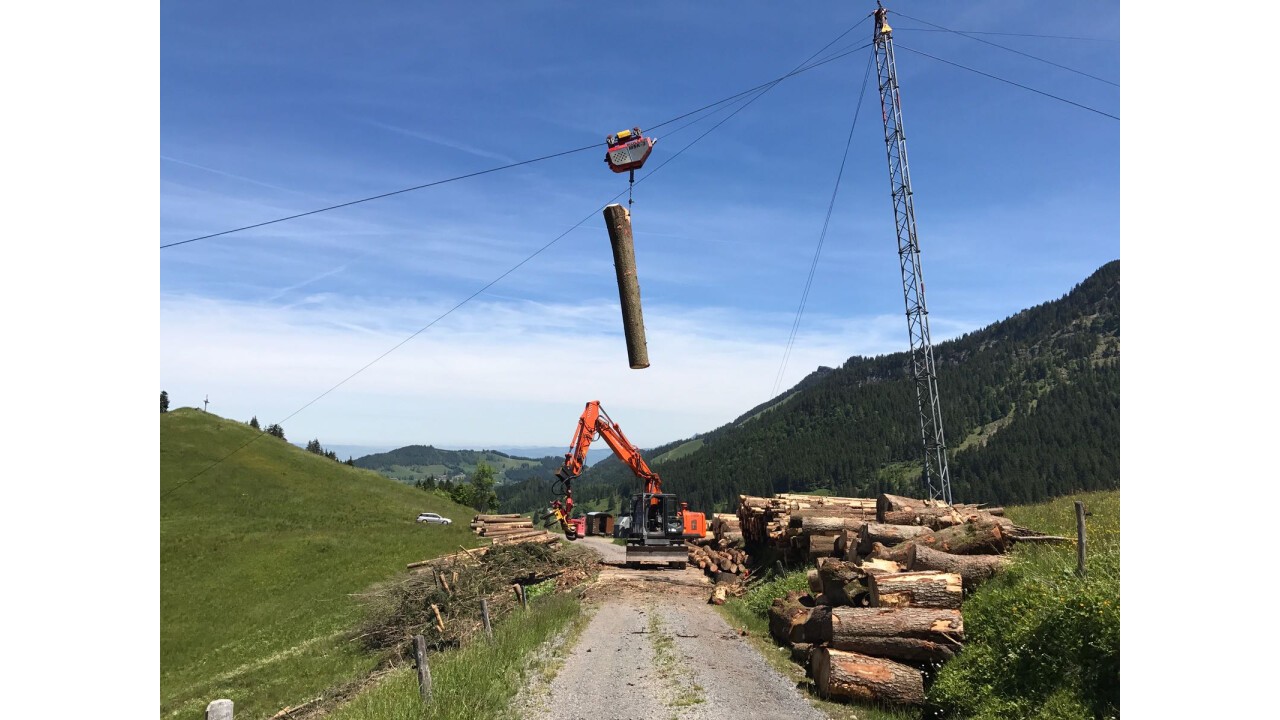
[421,462]
[259,557]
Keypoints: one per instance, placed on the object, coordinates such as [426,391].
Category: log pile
[804,527]
[510,529]
[886,605]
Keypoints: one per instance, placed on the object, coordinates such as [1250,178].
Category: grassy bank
[479,680]
[1041,643]
[260,553]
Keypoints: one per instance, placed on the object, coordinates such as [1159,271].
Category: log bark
[886,535]
[897,554]
[973,569]
[907,634]
[618,221]
[922,589]
[821,546]
[800,655]
[793,621]
[840,580]
[888,503]
[979,537]
[934,518]
[829,525]
[786,614]
[851,676]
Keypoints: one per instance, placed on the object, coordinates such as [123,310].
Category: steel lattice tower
[937,478]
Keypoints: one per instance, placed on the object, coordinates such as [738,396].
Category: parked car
[434,518]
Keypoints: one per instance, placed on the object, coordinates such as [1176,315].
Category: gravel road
[655,649]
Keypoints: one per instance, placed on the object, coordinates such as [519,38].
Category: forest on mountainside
[1031,410]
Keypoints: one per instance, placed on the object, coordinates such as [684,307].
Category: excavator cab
[657,530]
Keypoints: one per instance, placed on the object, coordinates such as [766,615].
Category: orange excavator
[659,522]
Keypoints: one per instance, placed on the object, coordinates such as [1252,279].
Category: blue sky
[270,110]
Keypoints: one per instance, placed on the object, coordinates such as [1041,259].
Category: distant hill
[1031,409]
[262,546]
[420,462]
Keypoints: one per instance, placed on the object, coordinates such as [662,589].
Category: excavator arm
[595,422]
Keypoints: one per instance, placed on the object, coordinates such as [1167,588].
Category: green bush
[1041,642]
[759,598]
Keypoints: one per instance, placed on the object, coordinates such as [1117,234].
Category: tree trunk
[786,615]
[972,538]
[888,503]
[927,624]
[935,518]
[973,569]
[911,634]
[829,525]
[897,554]
[850,676]
[841,580]
[875,566]
[923,589]
[886,535]
[821,546]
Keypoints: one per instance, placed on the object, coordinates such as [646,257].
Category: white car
[434,518]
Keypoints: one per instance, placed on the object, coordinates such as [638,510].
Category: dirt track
[655,649]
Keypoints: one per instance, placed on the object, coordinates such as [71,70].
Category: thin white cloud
[443,142]
[497,372]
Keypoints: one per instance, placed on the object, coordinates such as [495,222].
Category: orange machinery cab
[695,523]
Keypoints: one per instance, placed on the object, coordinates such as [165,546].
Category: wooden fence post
[524,601]
[484,613]
[1080,538]
[220,710]
[424,673]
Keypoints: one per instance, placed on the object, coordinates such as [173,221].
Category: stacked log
[804,527]
[704,556]
[727,530]
[890,605]
[510,530]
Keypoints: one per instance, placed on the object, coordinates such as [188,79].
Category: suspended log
[921,589]
[850,676]
[618,221]
[886,535]
[973,569]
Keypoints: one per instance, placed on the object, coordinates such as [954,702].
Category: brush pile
[508,529]
[440,598]
[884,606]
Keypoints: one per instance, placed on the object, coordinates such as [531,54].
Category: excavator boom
[659,520]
